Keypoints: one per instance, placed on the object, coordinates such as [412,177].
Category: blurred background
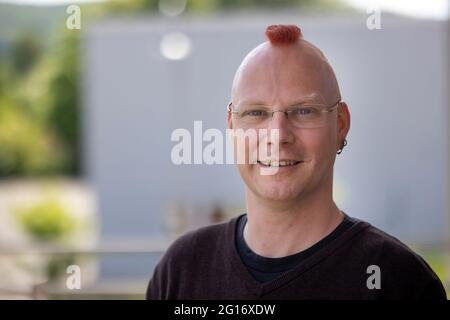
[86,117]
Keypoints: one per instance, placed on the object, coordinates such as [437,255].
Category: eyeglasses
[302,116]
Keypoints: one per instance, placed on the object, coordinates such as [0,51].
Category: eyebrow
[299,102]
[310,99]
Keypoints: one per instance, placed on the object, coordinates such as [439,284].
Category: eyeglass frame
[286,112]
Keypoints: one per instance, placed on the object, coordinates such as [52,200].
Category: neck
[280,228]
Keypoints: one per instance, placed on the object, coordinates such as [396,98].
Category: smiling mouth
[279,164]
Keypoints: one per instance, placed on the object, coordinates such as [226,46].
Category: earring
[342,147]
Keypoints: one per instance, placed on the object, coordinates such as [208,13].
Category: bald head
[285,68]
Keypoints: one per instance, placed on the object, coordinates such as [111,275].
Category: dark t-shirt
[265,269]
[205,264]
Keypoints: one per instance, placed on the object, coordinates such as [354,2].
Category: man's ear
[343,123]
[230,120]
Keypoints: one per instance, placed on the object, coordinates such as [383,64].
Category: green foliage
[2,80]
[39,113]
[47,221]
[26,148]
[64,111]
[41,20]
[25,53]
[204,6]
[57,265]
[127,6]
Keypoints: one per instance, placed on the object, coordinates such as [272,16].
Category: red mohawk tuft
[281,34]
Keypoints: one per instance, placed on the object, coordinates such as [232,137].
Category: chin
[279,192]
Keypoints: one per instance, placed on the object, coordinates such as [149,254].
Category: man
[294,242]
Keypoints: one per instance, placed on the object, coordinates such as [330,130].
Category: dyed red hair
[281,34]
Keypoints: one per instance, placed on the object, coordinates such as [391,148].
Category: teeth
[283,163]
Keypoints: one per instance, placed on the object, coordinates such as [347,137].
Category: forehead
[312,98]
[282,76]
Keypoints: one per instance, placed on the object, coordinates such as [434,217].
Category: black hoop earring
[342,147]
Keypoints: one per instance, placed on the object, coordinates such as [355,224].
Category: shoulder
[390,249]
[399,265]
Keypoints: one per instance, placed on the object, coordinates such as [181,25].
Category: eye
[254,113]
[304,111]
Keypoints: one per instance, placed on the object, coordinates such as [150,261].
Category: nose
[280,121]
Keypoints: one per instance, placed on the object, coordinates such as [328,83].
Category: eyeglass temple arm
[331,109]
